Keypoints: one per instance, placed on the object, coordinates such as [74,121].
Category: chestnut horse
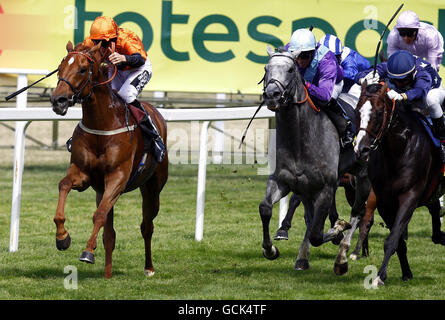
[107,152]
[404,169]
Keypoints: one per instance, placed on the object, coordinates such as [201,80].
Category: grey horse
[308,161]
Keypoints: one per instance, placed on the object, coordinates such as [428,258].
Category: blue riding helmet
[333,43]
[302,39]
[401,64]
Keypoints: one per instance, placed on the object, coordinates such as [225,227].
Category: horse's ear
[69,46]
[364,85]
[270,51]
[384,88]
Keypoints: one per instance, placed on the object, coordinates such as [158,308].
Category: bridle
[287,91]
[76,93]
[385,122]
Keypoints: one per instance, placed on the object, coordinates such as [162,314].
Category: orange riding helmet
[103,28]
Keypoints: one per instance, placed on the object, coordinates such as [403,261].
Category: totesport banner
[198,45]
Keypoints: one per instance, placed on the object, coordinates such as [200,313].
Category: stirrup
[68,144]
[158,149]
[346,141]
[442,151]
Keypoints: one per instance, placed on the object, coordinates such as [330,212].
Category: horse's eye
[290,70]
[83,70]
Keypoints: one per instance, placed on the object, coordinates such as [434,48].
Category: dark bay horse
[308,154]
[107,152]
[404,169]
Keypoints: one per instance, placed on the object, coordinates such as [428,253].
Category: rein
[285,90]
[385,124]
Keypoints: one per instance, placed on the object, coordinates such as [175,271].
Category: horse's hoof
[354,256]
[440,239]
[301,264]
[149,273]
[87,257]
[273,254]
[336,241]
[63,244]
[377,282]
[342,225]
[340,269]
[281,235]
[407,276]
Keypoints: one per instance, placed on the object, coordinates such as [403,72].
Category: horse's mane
[373,88]
[405,106]
[80,47]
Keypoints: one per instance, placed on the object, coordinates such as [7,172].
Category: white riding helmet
[302,40]
[408,20]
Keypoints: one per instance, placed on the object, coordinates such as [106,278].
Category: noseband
[76,93]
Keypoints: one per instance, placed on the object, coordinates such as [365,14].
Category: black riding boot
[150,131]
[342,123]
[439,132]
[348,136]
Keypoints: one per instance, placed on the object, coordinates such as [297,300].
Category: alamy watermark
[70,21]
[368,282]
[370,21]
[184,145]
[71,280]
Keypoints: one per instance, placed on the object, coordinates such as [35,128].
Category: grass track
[226,264]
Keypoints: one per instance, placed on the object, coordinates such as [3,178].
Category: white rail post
[218,136]
[159,95]
[19,153]
[200,194]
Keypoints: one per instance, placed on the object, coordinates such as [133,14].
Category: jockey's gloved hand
[370,78]
[393,95]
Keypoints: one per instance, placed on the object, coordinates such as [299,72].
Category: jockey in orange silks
[134,70]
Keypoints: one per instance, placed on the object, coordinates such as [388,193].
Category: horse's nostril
[276,94]
[62,100]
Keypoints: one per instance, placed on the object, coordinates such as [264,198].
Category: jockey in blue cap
[412,78]
[323,76]
[351,62]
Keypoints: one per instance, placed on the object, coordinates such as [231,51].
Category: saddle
[341,112]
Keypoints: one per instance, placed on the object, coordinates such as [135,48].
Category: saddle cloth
[428,125]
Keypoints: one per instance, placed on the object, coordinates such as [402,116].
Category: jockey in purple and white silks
[322,74]
[317,65]
[419,38]
[411,78]
[350,60]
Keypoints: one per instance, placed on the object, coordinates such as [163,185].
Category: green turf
[226,264]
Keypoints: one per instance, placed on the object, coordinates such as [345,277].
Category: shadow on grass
[40,273]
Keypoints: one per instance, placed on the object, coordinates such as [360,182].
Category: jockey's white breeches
[338,87]
[356,90]
[129,83]
[434,101]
